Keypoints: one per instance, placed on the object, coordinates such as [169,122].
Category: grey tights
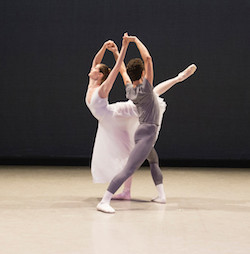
[145,136]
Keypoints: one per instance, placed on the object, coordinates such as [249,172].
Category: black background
[46,52]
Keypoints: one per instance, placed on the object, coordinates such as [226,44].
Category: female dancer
[116,122]
[140,91]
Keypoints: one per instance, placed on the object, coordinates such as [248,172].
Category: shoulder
[128,86]
[146,82]
[146,85]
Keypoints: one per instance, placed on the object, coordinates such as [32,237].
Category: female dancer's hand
[108,44]
[112,47]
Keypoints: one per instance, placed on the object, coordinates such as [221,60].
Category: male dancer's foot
[105,208]
[104,205]
[187,72]
[125,195]
[159,200]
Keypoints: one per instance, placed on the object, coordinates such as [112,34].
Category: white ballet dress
[117,123]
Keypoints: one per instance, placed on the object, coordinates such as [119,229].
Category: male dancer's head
[135,69]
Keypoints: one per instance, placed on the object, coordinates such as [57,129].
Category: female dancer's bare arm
[108,83]
[126,79]
[99,55]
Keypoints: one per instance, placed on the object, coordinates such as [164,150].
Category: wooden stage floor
[52,210]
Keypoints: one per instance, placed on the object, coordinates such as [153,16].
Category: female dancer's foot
[125,195]
[187,72]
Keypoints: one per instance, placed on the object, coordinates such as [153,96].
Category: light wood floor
[52,210]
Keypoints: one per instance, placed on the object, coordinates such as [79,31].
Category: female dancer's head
[100,72]
[105,70]
[135,69]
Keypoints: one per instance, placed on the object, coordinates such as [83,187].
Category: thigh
[144,142]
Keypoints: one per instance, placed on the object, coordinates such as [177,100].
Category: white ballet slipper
[190,70]
[159,200]
[104,207]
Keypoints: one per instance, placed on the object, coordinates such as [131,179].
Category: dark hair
[105,70]
[135,68]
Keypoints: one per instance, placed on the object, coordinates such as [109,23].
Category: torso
[145,100]
[92,86]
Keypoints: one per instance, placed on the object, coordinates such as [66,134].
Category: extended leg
[166,85]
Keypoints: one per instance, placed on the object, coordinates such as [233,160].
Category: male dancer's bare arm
[148,63]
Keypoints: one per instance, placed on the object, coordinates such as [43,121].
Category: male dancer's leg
[145,137]
[156,173]
[144,141]
[153,160]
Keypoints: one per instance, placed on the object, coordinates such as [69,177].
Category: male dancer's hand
[129,37]
[125,39]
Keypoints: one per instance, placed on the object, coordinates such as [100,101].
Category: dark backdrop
[47,48]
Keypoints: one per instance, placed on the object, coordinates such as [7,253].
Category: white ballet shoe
[104,207]
[190,70]
[159,200]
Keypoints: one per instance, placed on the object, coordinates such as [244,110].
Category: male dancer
[140,91]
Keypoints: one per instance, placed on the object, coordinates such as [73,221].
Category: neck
[137,82]
[94,83]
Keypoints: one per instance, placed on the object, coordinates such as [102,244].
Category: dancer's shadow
[185,203]
[173,203]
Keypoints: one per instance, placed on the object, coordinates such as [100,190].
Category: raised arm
[148,63]
[126,79]
[99,55]
[166,85]
[108,83]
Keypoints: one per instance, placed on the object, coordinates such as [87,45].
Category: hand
[125,41]
[112,47]
[108,43]
[129,37]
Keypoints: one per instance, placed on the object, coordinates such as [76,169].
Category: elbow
[148,59]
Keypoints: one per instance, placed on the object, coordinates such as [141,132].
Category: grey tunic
[146,102]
